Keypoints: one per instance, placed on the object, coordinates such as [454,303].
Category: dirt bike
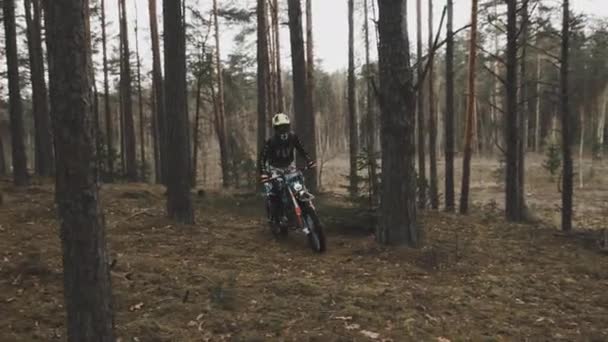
[294,208]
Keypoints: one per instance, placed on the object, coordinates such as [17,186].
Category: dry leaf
[442,339]
[370,334]
[352,326]
[199,317]
[192,324]
[431,318]
[344,318]
[136,307]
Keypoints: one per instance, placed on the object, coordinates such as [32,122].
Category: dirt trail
[226,278]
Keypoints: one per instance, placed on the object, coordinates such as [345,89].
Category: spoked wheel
[316,236]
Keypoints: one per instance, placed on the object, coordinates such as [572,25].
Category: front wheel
[277,229]
[316,235]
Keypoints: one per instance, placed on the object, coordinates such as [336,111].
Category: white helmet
[280,119]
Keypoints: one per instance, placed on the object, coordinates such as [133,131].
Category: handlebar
[284,172]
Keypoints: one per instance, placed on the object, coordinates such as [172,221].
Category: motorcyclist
[278,153]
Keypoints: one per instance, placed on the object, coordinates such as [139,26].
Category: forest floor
[226,278]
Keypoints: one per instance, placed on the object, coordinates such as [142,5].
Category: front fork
[299,213]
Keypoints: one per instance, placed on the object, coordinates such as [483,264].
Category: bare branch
[436,46]
[493,105]
[543,51]
[431,52]
[496,57]
[498,77]
[502,150]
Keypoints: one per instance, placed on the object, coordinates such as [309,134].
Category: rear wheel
[316,236]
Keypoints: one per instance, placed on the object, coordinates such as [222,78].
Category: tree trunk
[97,116]
[352,109]
[179,203]
[567,173]
[155,136]
[196,128]
[271,90]
[422,183]
[513,211]
[449,112]
[538,97]
[129,128]
[106,94]
[263,60]
[581,162]
[308,135]
[157,75]
[121,96]
[469,127]
[277,50]
[305,123]
[371,121]
[523,114]
[43,139]
[497,99]
[221,113]
[397,100]
[432,119]
[140,102]
[20,177]
[602,123]
[87,288]
[2,159]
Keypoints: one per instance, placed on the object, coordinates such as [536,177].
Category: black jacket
[280,153]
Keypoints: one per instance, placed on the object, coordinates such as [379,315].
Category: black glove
[311,164]
[264,177]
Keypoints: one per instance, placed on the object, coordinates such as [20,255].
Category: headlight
[297,186]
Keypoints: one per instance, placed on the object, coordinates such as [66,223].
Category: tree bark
[179,203]
[305,123]
[602,123]
[157,75]
[432,119]
[581,162]
[309,133]
[129,128]
[2,158]
[449,111]
[221,113]
[140,103]
[567,173]
[277,50]
[271,90]
[263,60]
[352,108]
[20,176]
[106,94]
[371,121]
[422,183]
[196,128]
[397,102]
[87,288]
[513,212]
[538,97]
[469,127]
[155,135]
[42,125]
[523,114]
